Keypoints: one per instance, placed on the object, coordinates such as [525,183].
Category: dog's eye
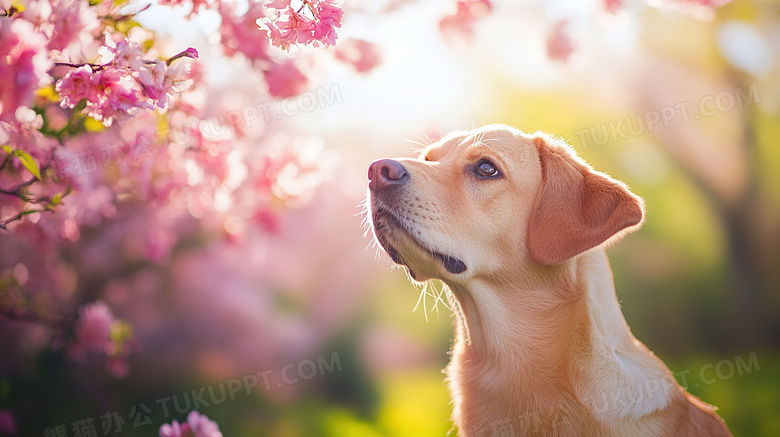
[486,169]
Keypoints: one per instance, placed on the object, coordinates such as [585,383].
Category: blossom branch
[17,190]
[5,223]
[94,67]
[5,161]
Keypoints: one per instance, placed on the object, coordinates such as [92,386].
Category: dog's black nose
[386,173]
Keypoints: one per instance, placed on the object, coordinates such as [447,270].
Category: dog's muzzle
[386,176]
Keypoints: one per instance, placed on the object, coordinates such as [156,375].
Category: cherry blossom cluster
[89,110]
[312,22]
[124,84]
[286,25]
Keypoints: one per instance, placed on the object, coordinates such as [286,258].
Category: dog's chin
[422,262]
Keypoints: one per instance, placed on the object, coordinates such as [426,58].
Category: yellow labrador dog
[516,225]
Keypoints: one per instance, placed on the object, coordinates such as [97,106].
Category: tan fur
[541,345]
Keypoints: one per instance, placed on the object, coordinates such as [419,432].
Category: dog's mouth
[384,219]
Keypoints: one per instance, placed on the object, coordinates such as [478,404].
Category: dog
[515,225]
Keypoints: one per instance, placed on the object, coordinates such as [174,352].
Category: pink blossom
[68,19]
[175,430]
[461,22]
[273,34]
[161,81]
[197,425]
[23,65]
[324,33]
[559,45]
[23,132]
[153,80]
[297,28]
[328,18]
[126,53]
[290,26]
[93,328]
[78,84]
[118,96]
[328,12]
[362,55]
[285,79]
[201,426]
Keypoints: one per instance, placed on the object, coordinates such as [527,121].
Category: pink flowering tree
[95,135]
[86,101]
[126,191]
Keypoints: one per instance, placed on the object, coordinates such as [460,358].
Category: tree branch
[17,190]
[5,223]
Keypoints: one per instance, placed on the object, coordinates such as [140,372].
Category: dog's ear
[577,208]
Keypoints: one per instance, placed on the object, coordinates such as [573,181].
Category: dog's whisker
[419,299]
[417,149]
[428,139]
[441,292]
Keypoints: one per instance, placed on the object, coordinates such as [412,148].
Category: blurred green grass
[416,403]
[748,400]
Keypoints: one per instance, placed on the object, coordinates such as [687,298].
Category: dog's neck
[560,342]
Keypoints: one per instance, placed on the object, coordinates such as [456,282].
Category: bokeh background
[699,283]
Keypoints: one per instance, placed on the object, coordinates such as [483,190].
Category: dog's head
[493,200]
